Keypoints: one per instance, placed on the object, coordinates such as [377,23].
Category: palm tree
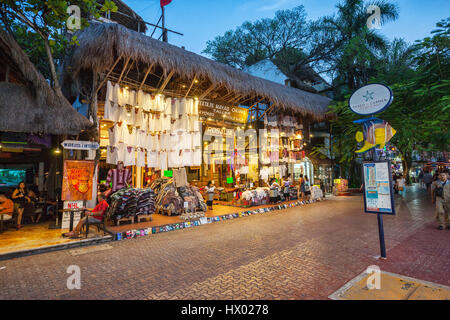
[356,46]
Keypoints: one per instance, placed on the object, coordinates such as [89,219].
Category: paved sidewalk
[299,253]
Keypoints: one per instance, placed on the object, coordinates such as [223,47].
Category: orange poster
[77,180]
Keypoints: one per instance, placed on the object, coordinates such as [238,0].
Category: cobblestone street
[299,253]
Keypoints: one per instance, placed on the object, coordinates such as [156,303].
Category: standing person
[307,188]
[286,188]
[322,187]
[394,178]
[400,184]
[440,190]
[421,178]
[302,187]
[210,190]
[274,190]
[427,180]
[20,198]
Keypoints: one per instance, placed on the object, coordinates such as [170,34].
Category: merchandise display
[176,201]
[127,203]
[165,128]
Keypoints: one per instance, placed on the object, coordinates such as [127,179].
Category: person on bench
[95,216]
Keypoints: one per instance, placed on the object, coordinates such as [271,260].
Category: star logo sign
[369,95]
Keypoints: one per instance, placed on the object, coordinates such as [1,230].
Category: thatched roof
[101,44]
[31,105]
[126,16]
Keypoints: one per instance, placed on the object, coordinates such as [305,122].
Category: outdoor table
[72,212]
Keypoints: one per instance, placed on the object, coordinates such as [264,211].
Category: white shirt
[130,157]
[153,159]
[112,155]
[140,162]
[114,135]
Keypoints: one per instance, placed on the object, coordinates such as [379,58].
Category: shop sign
[377,179]
[371,99]
[65,222]
[219,132]
[80,145]
[77,180]
[341,185]
[209,109]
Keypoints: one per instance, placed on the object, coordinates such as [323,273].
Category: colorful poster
[77,180]
[378,197]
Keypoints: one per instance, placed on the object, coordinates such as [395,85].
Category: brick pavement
[298,253]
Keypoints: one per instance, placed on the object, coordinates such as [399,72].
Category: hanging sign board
[77,180]
[80,145]
[377,179]
[371,99]
[209,109]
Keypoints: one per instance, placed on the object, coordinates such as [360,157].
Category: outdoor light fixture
[57,151]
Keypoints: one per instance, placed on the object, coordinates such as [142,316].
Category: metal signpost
[377,175]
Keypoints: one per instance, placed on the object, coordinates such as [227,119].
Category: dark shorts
[209,203]
[287,195]
[307,193]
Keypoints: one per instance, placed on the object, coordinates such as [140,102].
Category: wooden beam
[146,75]
[190,87]
[108,74]
[267,110]
[256,103]
[123,71]
[166,81]
[208,91]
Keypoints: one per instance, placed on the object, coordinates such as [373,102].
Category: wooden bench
[125,219]
[142,217]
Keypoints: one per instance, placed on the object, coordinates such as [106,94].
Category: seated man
[94,217]
[6,208]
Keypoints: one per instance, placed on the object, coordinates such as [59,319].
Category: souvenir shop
[171,120]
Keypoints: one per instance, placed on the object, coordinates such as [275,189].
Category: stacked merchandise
[175,200]
[293,192]
[152,131]
[316,193]
[256,197]
[128,203]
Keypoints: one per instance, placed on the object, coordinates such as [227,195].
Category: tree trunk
[48,50]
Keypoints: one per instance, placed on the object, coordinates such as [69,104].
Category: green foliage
[36,24]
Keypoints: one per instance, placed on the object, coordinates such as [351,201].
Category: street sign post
[80,145]
[378,195]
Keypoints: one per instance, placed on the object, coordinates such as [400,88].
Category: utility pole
[164,31]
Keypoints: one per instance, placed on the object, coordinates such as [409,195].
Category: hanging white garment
[196,140]
[175,108]
[174,142]
[165,141]
[195,107]
[140,161]
[159,103]
[122,132]
[163,161]
[184,123]
[186,157]
[197,158]
[111,108]
[158,122]
[121,152]
[168,107]
[166,123]
[127,114]
[130,157]
[139,121]
[182,107]
[113,134]
[174,159]
[116,95]
[112,155]
[153,159]
[141,139]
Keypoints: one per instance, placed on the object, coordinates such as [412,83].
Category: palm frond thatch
[101,44]
[33,106]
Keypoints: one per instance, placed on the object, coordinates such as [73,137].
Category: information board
[377,180]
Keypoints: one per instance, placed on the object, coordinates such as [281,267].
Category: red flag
[165,2]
